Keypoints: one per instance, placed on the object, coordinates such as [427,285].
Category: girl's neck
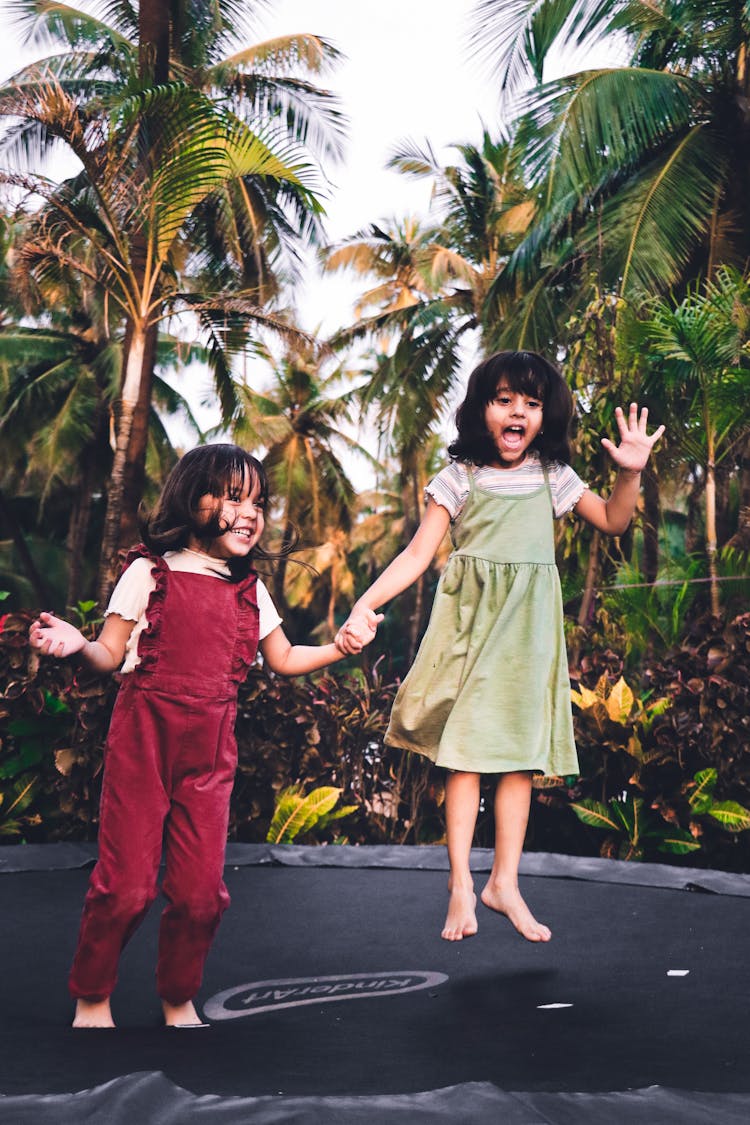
[510,468]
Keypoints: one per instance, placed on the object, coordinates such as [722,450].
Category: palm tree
[446,272]
[266,188]
[125,233]
[300,420]
[484,209]
[702,351]
[639,171]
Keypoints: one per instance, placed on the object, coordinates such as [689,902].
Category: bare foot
[461,920]
[511,904]
[181,1015]
[93,1013]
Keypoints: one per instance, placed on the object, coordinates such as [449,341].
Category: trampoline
[332,998]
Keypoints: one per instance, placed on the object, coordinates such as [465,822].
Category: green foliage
[665,758]
[299,815]
[664,770]
[328,732]
[626,817]
[643,617]
[52,730]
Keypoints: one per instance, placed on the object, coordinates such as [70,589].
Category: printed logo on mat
[271,995]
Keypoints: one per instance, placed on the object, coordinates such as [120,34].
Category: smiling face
[241,515]
[513,420]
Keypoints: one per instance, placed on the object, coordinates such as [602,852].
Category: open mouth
[514,436]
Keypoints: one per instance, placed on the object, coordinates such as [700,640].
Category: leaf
[584,698]
[620,702]
[731,815]
[336,814]
[22,796]
[700,799]
[317,805]
[295,814]
[678,842]
[547,781]
[287,803]
[594,813]
[65,760]
[629,813]
[635,748]
[602,684]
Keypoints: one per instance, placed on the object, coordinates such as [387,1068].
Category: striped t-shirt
[450,488]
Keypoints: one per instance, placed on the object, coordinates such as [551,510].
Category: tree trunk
[131,390]
[153,65]
[711,529]
[134,477]
[411,513]
[331,613]
[279,574]
[592,573]
[153,41]
[651,520]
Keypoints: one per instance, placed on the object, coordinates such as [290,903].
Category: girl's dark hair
[207,470]
[525,373]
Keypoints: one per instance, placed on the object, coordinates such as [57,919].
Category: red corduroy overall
[169,768]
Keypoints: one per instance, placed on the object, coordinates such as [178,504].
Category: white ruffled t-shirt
[130,596]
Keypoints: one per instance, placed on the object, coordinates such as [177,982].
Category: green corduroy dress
[489,690]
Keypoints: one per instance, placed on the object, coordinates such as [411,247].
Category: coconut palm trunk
[135,373]
[134,475]
[651,519]
[713,575]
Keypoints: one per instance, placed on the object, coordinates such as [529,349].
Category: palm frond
[576,131]
[654,224]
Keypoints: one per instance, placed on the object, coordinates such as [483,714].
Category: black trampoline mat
[597,1011]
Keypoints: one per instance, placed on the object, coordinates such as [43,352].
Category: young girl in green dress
[489,690]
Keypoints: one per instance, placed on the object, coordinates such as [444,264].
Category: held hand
[635,446]
[357,631]
[55,637]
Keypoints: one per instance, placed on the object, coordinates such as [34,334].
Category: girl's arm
[287,659]
[612,516]
[58,638]
[397,576]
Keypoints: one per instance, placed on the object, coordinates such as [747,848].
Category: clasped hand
[357,631]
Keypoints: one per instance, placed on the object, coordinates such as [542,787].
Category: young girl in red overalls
[183,626]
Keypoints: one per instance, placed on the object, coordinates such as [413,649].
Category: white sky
[407,74]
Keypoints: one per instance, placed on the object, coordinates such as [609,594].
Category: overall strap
[470,474]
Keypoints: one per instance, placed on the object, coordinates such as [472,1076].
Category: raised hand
[636,444]
[55,637]
[357,631]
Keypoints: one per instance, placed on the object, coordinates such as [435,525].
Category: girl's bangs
[232,470]
[522,378]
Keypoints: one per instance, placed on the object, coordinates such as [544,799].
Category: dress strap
[545,470]
[470,474]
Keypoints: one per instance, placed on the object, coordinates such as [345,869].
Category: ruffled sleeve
[147,640]
[246,644]
[450,488]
